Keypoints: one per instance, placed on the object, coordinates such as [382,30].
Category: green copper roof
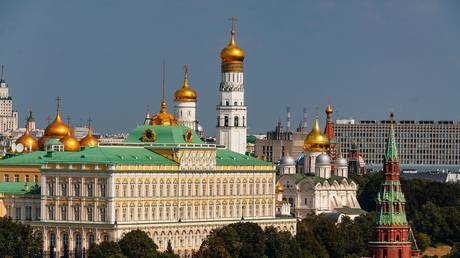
[251,139]
[32,159]
[91,155]
[392,152]
[227,157]
[110,155]
[18,188]
[163,134]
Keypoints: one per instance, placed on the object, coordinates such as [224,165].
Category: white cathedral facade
[315,183]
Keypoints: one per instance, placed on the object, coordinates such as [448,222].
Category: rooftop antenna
[68,119]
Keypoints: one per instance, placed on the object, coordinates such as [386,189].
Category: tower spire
[1,76]
[391,153]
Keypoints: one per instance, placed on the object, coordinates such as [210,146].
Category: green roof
[18,188]
[91,155]
[163,133]
[227,157]
[391,152]
[34,158]
[251,139]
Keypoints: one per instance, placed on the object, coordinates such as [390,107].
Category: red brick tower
[392,231]
[329,132]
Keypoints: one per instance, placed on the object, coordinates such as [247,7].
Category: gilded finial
[185,75]
[232,38]
[58,104]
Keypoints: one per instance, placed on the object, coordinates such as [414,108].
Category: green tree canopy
[17,240]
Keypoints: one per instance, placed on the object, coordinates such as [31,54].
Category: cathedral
[317,182]
[162,178]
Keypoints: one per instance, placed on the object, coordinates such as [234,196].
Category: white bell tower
[231,109]
[185,104]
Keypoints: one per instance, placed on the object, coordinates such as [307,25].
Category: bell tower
[231,110]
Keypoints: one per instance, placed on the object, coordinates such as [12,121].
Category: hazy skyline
[104,58]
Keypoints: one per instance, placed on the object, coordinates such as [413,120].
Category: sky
[104,58]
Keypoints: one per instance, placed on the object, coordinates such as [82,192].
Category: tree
[105,249]
[245,240]
[17,239]
[455,252]
[423,241]
[280,244]
[138,244]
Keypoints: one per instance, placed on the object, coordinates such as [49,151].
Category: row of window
[6,178]
[236,121]
[76,190]
[217,211]
[76,213]
[23,213]
[189,189]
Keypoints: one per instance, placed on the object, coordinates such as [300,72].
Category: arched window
[90,240]
[218,120]
[52,240]
[235,121]
[225,120]
[78,242]
[244,122]
[235,104]
[227,103]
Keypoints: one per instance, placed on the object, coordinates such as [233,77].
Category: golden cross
[58,103]
[233,20]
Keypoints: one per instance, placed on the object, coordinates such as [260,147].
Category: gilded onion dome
[185,93]
[329,109]
[89,140]
[57,128]
[232,53]
[315,140]
[163,117]
[70,142]
[28,141]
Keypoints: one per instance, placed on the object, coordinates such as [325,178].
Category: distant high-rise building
[419,142]
[8,117]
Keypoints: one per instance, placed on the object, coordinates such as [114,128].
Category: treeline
[433,208]
[135,244]
[316,236]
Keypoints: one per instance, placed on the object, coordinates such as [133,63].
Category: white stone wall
[232,113]
[185,113]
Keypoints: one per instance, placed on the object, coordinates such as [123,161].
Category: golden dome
[163,117]
[315,140]
[278,188]
[89,140]
[29,142]
[57,128]
[232,53]
[185,93]
[329,109]
[70,143]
